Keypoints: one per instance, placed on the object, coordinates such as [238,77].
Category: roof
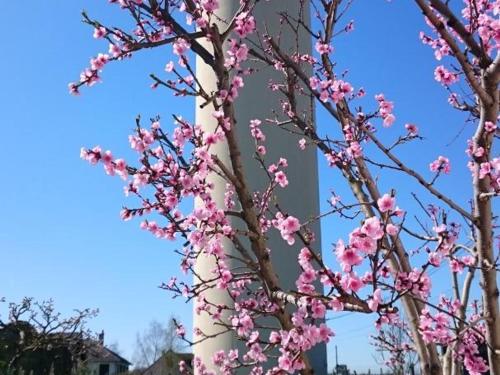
[100,353]
[168,360]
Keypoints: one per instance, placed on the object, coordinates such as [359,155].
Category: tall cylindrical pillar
[301,197]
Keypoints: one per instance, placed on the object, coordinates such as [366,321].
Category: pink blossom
[273,168]
[392,229]
[389,120]
[181,46]
[237,82]
[325,333]
[335,304]
[351,282]
[340,90]
[92,156]
[302,144]
[238,52]
[180,331]
[355,150]
[280,178]
[318,309]
[371,227]
[99,32]
[98,62]
[347,256]
[288,227]
[210,5]
[245,24]
[375,300]
[314,82]
[435,259]
[456,266]
[335,200]
[468,260]
[412,129]
[218,357]
[323,48]
[126,214]
[490,126]
[444,76]
[363,243]
[385,110]
[73,89]
[274,337]
[256,132]
[244,323]
[169,67]
[183,367]
[484,170]
[386,203]
[441,164]
[479,152]
[439,229]
[114,50]
[285,363]
[349,27]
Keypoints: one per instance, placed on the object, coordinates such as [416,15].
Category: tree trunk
[484,228]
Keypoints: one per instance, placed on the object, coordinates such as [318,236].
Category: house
[58,353]
[168,364]
[103,361]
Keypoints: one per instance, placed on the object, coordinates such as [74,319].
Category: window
[103,369]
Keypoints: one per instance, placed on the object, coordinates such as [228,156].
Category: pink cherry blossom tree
[375,271]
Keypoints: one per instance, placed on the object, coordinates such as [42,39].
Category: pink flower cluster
[210,5]
[323,48]
[439,46]
[412,129]
[441,164]
[181,46]
[245,24]
[385,110]
[444,76]
[417,282]
[335,90]
[439,328]
[237,53]
[485,19]
[111,166]
[287,226]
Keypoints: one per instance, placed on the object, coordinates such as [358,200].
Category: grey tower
[300,198]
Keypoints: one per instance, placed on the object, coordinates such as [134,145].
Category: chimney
[101,338]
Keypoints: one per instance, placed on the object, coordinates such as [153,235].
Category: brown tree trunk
[484,227]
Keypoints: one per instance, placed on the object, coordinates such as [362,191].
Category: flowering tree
[375,272]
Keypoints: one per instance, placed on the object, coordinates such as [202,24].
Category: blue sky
[60,233]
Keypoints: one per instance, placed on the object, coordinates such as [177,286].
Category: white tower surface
[300,198]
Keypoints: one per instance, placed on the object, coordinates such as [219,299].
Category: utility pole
[336,359]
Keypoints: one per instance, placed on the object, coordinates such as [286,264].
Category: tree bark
[484,226]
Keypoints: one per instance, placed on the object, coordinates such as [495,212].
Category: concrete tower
[300,198]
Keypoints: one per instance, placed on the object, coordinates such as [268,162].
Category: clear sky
[60,232]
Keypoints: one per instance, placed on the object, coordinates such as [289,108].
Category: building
[168,364]
[103,361]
